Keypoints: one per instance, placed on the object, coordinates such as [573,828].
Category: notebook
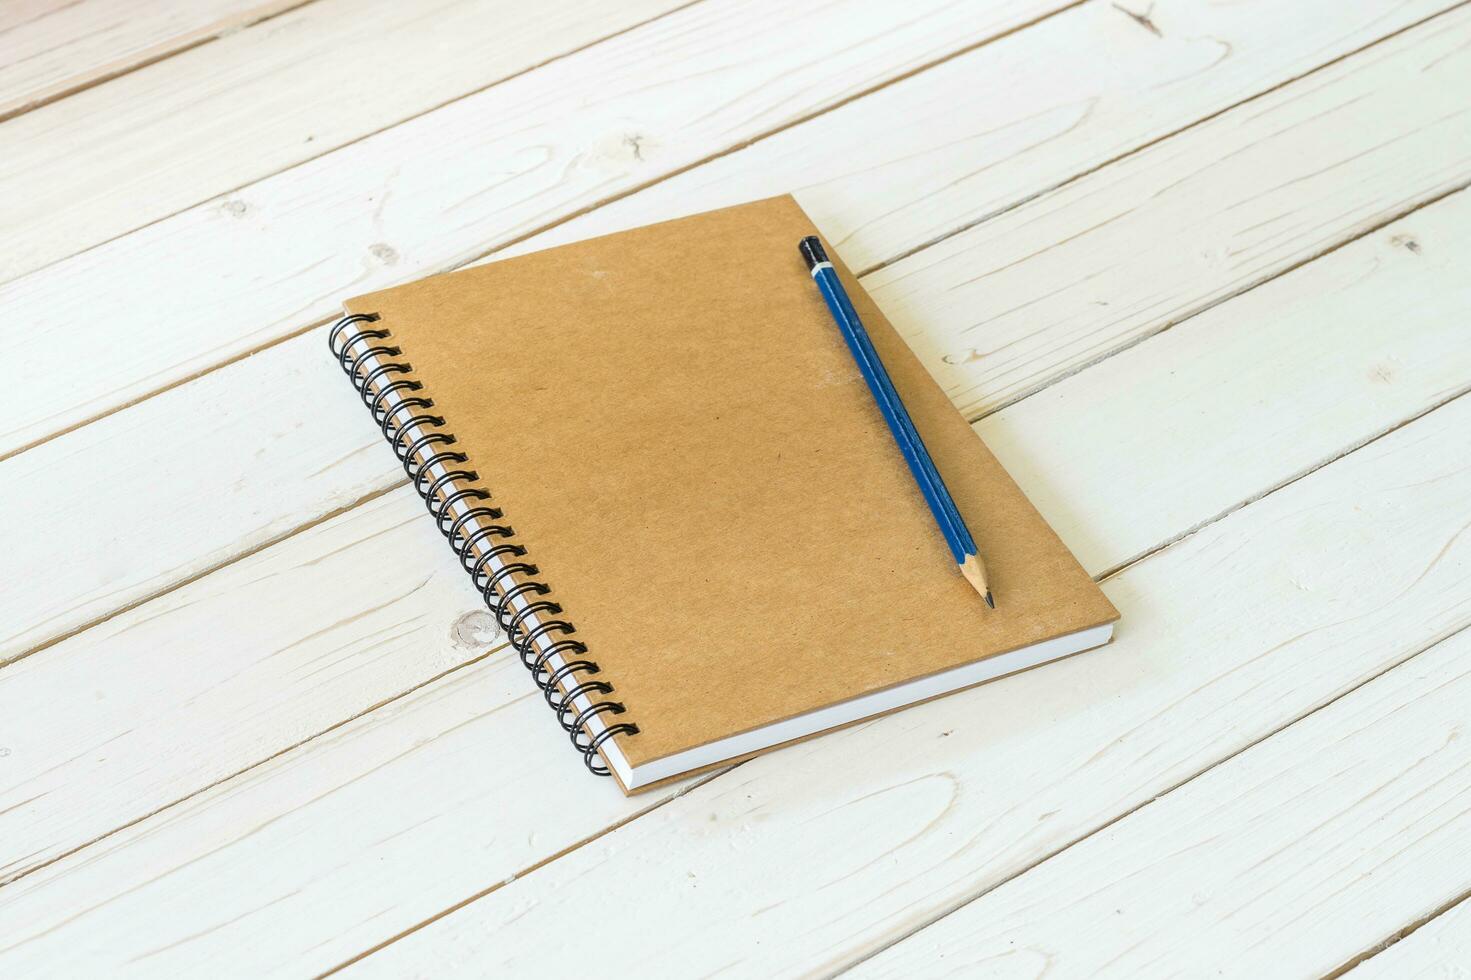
[661,467]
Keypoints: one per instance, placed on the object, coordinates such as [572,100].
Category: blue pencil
[931,486]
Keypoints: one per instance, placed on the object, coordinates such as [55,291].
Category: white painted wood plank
[51,47]
[994,358]
[111,159]
[1438,950]
[264,262]
[1208,676]
[261,469]
[1284,861]
[194,478]
[1021,126]
[462,760]
[1226,397]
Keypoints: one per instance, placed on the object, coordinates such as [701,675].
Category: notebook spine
[497,565]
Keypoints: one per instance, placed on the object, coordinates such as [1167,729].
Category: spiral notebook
[660,466]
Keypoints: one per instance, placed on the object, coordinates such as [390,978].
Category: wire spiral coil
[445,478]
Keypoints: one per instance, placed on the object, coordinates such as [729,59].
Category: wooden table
[1197,271]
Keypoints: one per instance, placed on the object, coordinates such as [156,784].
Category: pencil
[921,465]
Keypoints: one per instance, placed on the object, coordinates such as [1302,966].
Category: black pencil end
[812,251]
[989,601]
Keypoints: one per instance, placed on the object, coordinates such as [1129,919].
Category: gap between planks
[1057,178]
[1309,471]
[1404,932]
[571,215]
[982,219]
[977,414]
[1133,342]
[1100,578]
[1061,376]
[1248,501]
[1432,644]
[1105,574]
[326,151]
[204,572]
[1421,645]
[477,896]
[512,877]
[603,831]
[187,42]
[369,709]
[767,134]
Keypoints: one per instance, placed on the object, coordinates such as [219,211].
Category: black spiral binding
[365,353]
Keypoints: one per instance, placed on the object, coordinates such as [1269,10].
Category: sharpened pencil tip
[975,574]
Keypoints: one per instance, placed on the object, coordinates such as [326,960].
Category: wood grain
[1189,659]
[252,472]
[1227,636]
[946,169]
[1344,315]
[1276,150]
[50,48]
[1277,862]
[291,761]
[457,757]
[264,262]
[106,161]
